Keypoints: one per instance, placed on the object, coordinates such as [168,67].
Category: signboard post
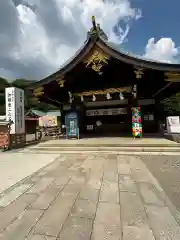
[72,128]
[173,124]
[15,113]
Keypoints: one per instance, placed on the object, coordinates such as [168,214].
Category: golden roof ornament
[38,92]
[96,30]
[139,73]
[60,81]
[105,91]
[94,24]
[96,60]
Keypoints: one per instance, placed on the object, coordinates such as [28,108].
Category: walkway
[16,166]
[97,196]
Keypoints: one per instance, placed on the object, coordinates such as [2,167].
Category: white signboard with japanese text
[15,109]
[173,124]
[10,107]
[19,108]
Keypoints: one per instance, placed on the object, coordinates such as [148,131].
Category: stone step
[112,145]
[103,149]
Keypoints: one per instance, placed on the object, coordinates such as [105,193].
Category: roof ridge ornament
[96,30]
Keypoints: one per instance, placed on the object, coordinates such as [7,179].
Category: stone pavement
[167,171]
[16,166]
[83,197]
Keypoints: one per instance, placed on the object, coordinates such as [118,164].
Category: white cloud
[37,36]
[164,50]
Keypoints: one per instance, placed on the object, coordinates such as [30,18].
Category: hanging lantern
[94,98]
[108,96]
[121,96]
[82,98]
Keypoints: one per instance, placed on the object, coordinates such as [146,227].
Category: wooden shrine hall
[108,90]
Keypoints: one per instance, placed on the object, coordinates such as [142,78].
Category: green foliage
[29,101]
[2,109]
[3,84]
[172,104]
[21,83]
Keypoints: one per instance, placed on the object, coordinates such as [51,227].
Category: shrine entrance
[108,121]
[112,91]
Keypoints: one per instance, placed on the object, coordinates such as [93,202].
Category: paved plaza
[16,166]
[90,196]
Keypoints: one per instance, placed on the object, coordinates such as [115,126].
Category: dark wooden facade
[102,70]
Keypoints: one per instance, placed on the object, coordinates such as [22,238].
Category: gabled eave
[71,63]
[136,62]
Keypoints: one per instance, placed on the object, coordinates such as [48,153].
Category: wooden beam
[162,89]
[105,91]
[172,77]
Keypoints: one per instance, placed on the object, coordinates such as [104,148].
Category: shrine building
[102,84]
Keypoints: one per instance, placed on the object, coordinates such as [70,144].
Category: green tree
[21,83]
[30,102]
[4,84]
[172,104]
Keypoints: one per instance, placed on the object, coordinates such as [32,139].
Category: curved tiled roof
[70,61]
[115,51]
[139,60]
[117,47]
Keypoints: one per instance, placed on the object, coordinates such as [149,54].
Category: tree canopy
[29,101]
[172,104]
[21,83]
[3,84]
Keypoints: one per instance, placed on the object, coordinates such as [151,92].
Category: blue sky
[160,18]
[38,36]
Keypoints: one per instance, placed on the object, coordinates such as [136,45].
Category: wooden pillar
[61,118]
[158,114]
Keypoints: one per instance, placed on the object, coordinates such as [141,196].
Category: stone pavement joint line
[16,167]
[89,197]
